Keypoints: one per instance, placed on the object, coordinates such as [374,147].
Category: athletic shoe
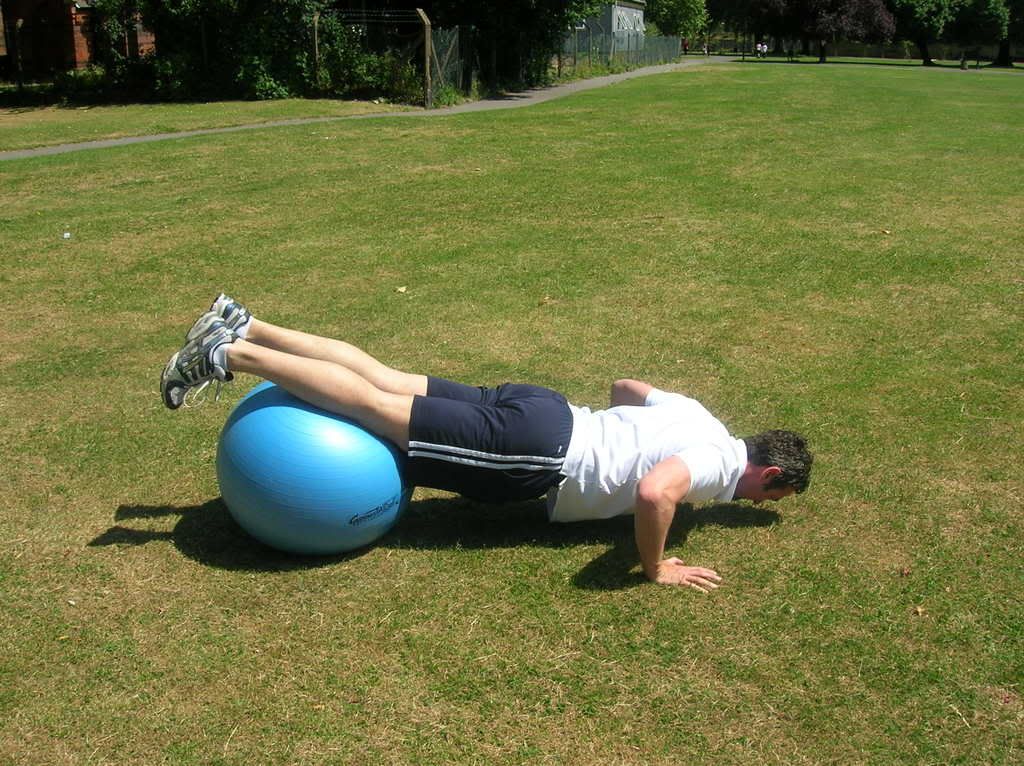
[208,321]
[192,369]
[233,313]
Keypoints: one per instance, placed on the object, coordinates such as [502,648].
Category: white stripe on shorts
[466,456]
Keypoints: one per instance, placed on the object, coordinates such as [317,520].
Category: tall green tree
[924,21]
[980,22]
[1014,33]
[683,18]
[735,15]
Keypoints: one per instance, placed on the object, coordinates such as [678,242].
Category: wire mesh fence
[590,47]
[454,67]
[448,74]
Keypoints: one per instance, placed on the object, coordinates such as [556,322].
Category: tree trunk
[1003,58]
[17,54]
[495,70]
[202,40]
[922,47]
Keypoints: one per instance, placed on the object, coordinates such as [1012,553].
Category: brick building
[57,35]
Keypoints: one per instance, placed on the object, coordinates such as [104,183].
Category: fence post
[428,95]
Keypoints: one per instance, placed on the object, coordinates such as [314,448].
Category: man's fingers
[674,572]
[704,585]
[702,574]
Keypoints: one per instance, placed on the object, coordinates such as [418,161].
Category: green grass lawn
[836,250]
[29,127]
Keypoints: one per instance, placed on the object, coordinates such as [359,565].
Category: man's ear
[770,473]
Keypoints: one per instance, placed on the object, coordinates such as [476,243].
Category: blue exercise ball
[303,480]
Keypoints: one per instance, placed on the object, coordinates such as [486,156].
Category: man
[648,452]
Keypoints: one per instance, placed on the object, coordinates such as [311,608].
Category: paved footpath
[507,101]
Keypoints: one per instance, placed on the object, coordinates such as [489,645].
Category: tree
[821,20]
[923,21]
[731,14]
[828,20]
[775,18]
[979,22]
[1014,33]
[682,18]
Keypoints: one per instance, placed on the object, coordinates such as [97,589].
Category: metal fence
[448,75]
[589,47]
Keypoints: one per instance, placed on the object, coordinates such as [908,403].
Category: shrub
[255,81]
[399,79]
[82,85]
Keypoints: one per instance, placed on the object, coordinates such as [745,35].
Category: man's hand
[674,572]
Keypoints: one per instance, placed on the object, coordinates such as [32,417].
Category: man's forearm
[651,522]
[659,491]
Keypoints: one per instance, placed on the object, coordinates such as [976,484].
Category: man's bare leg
[330,386]
[338,352]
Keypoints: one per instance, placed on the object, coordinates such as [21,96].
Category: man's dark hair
[784,449]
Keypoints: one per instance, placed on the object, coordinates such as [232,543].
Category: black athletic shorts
[492,444]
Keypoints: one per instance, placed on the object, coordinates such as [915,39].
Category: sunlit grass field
[33,126]
[836,250]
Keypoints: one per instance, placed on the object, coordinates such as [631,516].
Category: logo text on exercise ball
[361,518]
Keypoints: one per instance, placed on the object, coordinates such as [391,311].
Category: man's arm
[657,496]
[632,392]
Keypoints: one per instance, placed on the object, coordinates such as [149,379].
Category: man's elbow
[629,391]
[654,495]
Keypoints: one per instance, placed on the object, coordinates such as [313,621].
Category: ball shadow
[206,533]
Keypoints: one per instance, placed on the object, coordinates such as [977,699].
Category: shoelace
[198,394]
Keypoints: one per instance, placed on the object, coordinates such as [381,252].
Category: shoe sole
[166,389]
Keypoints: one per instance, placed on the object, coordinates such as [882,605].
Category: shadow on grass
[206,533]
[42,95]
[900,63]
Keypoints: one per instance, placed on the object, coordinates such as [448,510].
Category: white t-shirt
[611,450]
